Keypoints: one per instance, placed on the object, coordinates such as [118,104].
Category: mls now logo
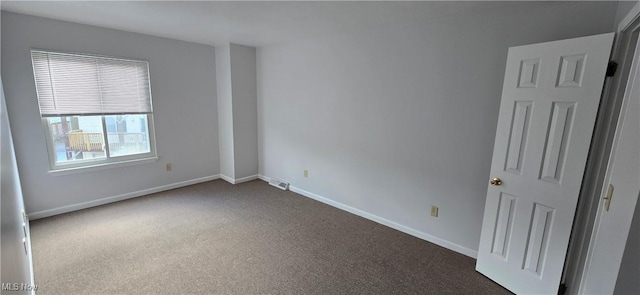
[19,287]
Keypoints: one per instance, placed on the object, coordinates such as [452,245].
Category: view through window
[82,137]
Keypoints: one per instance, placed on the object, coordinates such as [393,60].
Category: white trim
[102,166]
[245,179]
[227,179]
[239,180]
[30,255]
[405,229]
[107,200]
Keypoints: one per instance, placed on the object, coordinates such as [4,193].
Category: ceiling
[250,23]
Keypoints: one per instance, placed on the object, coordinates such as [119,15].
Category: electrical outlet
[168,167]
[306,173]
[434,211]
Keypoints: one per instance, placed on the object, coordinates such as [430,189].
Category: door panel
[550,98]
[518,138]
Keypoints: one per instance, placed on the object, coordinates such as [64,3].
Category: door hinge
[611,68]
[562,289]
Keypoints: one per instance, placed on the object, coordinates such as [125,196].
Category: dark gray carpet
[216,238]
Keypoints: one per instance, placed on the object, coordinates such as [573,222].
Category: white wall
[225,111]
[237,112]
[16,264]
[393,120]
[184,101]
[245,113]
[629,272]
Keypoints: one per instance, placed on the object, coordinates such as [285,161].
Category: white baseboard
[30,255]
[405,229]
[248,178]
[98,202]
[227,179]
[239,180]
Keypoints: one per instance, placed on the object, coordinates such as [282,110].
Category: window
[95,109]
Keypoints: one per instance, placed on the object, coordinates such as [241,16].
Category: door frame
[589,200]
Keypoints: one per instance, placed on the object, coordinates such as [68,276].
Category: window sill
[103,166]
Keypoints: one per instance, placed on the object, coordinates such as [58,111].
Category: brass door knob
[496,181]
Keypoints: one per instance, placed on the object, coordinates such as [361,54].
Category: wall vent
[279,184]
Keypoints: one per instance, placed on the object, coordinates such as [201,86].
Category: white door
[620,193]
[550,98]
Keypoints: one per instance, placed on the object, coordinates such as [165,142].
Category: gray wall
[16,265]
[225,111]
[245,125]
[237,112]
[393,120]
[184,101]
[622,11]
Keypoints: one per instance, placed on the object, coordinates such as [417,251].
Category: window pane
[127,134]
[77,138]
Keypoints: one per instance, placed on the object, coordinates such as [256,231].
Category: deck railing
[118,141]
[127,141]
[85,141]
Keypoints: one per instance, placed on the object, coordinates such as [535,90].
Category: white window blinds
[73,84]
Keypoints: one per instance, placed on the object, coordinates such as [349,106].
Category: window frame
[108,161]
